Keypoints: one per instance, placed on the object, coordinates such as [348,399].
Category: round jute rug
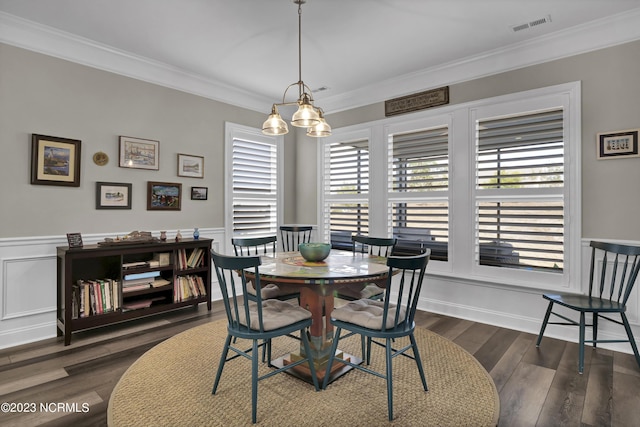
[170,385]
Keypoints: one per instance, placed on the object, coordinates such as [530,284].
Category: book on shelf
[144,275]
[162,258]
[95,296]
[159,281]
[137,264]
[187,287]
[137,287]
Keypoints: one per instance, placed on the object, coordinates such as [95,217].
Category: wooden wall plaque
[416,101]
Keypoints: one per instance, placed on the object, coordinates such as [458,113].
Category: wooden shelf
[94,263]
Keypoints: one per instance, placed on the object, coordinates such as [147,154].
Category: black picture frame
[199,193]
[113,195]
[55,161]
[618,144]
[74,240]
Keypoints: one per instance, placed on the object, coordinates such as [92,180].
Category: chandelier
[308,116]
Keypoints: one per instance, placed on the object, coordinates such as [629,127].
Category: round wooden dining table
[317,283]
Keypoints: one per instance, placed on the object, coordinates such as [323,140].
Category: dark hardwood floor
[537,387]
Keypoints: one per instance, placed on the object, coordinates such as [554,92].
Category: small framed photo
[619,144]
[191,166]
[199,193]
[74,240]
[113,195]
[55,161]
[139,153]
[163,196]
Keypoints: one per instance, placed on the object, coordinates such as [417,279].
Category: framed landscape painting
[55,161]
[139,153]
[113,195]
[191,166]
[164,196]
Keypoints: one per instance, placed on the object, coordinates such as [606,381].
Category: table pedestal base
[302,371]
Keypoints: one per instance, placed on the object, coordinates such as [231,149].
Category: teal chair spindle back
[293,235]
[609,291]
[254,246]
[378,246]
[258,246]
[234,286]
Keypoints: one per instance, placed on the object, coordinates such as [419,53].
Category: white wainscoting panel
[28,271]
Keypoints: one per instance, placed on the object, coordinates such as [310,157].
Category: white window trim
[461,155]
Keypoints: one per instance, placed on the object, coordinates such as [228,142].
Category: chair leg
[594,328]
[254,382]
[389,378]
[363,344]
[544,323]
[368,350]
[307,350]
[581,344]
[632,340]
[416,356]
[223,359]
[332,355]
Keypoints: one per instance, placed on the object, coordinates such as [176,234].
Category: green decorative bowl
[314,252]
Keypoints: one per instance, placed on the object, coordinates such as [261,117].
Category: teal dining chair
[258,321]
[377,246]
[293,235]
[257,246]
[609,291]
[381,322]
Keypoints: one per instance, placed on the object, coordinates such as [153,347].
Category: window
[520,191]
[492,187]
[346,206]
[252,191]
[419,190]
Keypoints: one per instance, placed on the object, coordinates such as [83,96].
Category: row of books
[187,287]
[193,260]
[91,297]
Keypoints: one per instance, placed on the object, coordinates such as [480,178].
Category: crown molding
[596,35]
[40,38]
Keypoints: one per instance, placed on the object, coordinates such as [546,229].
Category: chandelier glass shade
[307,116]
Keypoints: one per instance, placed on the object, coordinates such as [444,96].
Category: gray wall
[610,102]
[44,95]
[41,94]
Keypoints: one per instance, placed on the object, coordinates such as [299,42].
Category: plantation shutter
[254,188]
[346,191]
[420,165]
[520,167]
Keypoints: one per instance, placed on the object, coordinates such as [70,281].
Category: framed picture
[113,195]
[164,196]
[199,193]
[619,144]
[192,166]
[75,240]
[55,161]
[139,153]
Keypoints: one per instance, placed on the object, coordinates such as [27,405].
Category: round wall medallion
[100,158]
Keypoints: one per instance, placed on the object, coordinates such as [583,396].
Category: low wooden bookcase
[100,285]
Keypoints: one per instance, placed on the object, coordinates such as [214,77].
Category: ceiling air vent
[531,24]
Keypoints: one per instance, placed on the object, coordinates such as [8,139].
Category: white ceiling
[245,52]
